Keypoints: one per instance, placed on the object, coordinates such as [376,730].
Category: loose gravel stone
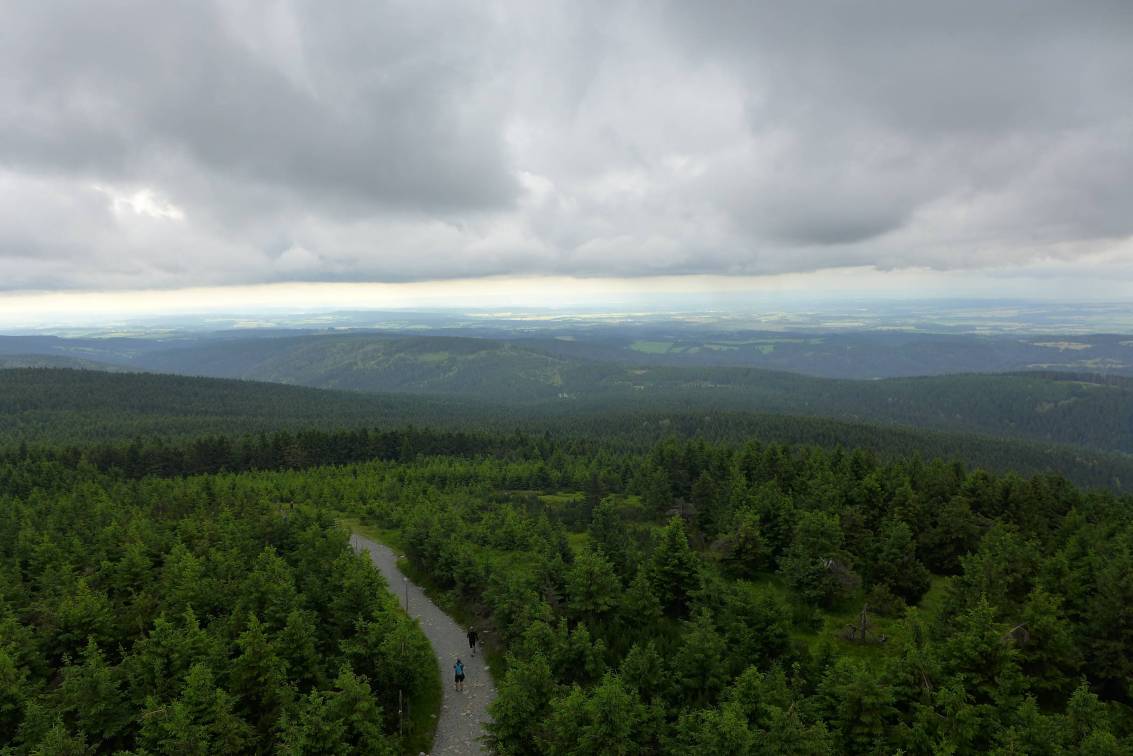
[464,714]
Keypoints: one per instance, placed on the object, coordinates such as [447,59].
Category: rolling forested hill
[53,361]
[83,407]
[1079,410]
[838,351]
[483,368]
[851,354]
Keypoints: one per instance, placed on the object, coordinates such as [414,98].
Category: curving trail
[464,714]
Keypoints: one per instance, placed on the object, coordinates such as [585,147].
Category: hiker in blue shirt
[459,669]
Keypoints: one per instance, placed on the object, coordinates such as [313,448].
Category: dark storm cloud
[900,104]
[178,143]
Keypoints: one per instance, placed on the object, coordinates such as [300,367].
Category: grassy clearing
[387,536]
[578,541]
[652,347]
[561,499]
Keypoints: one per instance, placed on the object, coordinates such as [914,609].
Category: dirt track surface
[463,715]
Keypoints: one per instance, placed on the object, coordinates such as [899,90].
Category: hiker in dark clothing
[473,637]
[458,668]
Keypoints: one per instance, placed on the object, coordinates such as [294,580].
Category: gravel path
[464,714]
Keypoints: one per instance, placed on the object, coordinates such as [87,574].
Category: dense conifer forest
[683,596]
[191,615]
[81,409]
[767,599]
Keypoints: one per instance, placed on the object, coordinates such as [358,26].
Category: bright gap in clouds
[658,294]
[141,202]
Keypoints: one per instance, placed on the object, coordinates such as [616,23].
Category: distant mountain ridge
[853,354]
[866,354]
[1040,406]
[384,363]
[1045,406]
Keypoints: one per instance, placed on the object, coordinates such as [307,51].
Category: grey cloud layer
[183,143]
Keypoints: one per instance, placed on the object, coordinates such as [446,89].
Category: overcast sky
[200,144]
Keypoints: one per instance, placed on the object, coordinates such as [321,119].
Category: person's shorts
[460,678]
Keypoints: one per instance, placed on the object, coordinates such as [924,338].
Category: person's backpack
[459,668]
